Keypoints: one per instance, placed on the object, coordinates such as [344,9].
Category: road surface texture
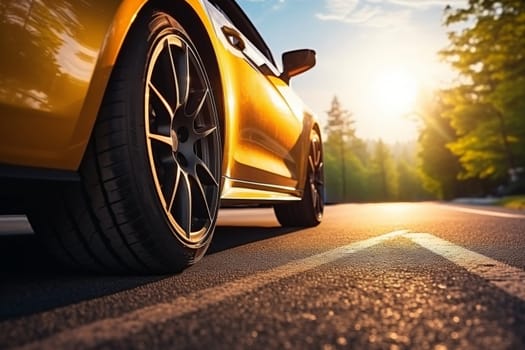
[371,276]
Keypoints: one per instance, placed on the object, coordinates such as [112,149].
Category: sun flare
[391,96]
[396,91]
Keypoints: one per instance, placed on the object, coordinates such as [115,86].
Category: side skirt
[236,192]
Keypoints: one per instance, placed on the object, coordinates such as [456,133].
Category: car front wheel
[150,178]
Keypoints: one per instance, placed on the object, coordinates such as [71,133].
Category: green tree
[410,183]
[439,167]
[339,129]
[488,105]
[383,176]
[344,171]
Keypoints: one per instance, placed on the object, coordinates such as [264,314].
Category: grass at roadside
[513,202]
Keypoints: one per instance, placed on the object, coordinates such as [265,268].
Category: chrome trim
[248,190]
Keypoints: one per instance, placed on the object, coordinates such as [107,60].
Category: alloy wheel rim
[316,176]
[182,138]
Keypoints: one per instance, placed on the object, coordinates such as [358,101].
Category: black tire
[150,177]
[309,210]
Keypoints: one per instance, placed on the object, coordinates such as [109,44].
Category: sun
[395,91]
[390,95]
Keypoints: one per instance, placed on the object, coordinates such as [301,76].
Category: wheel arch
[127,14]
[117,30]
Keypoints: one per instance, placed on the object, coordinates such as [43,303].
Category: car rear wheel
[309,210]
[150,178]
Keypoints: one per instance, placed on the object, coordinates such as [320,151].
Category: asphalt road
[372,276]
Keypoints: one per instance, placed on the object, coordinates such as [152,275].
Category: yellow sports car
[125,124]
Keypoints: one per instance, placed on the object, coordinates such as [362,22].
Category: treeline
[472,139]
[472,134]
[367,171]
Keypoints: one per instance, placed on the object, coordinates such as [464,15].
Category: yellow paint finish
[55,66]
[48,61]
[253,108]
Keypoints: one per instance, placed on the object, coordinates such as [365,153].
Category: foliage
[438,166]
[354,179]
[487,105]
[410,183]
[383,174]
[342,168]
[339,126]
[472,136]
[359,171]
[513,202]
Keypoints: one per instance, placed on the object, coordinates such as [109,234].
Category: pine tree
[344,169]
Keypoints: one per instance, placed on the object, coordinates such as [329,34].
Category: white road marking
[13,218]
[485,212]
[111,329]
[14,225]
[510,279]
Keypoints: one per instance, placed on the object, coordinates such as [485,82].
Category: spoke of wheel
[312,163]
[164,102]
[173,70]
[183,70]
[316,152]
[179,58]
[317,157]
[199,97]
[175,187]
[319,179]
[203,198]
[161,138]
[206,132]
[315,195]
[207,173]
[183,202]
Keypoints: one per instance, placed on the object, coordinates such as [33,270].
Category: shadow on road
[227,237]
[31,282]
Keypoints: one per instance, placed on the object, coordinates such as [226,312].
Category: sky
[376,56]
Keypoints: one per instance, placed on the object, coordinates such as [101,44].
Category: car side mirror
[296,62]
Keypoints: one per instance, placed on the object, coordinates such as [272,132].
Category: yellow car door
[265,118]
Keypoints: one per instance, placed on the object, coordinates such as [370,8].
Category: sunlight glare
[390,95]
[396,91]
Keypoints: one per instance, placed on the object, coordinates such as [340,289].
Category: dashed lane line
[114,329]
